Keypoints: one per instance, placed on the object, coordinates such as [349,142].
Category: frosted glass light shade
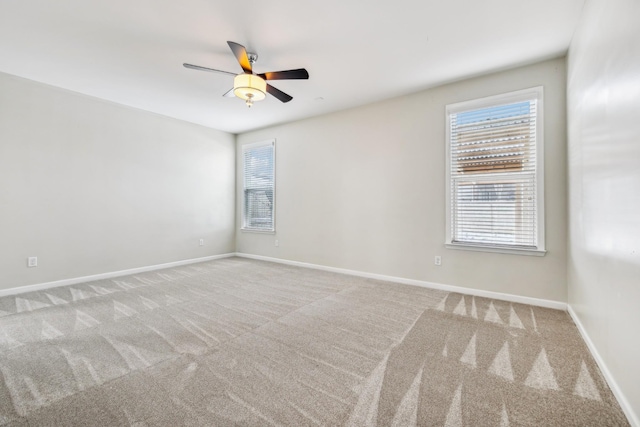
[249,87]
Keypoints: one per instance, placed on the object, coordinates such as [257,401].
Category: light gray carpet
[243,342]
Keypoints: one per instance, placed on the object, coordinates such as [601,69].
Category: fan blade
[241,55]
[279,94]
[229,94]
[197,67]
[299,74]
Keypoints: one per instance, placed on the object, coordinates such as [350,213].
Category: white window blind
[493,172]
[259,186]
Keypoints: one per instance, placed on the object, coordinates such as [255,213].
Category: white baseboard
[431,285]
[76,280]
[632,417]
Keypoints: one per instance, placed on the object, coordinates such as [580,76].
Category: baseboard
[632,417]
[76,280]
[431,285]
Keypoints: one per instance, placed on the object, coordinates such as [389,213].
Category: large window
[495,175]
[259,186]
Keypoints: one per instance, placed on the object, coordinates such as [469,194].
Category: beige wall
[92,187]
[604,186]
[364,189]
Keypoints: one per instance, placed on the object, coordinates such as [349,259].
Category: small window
[494,174]
[259,186]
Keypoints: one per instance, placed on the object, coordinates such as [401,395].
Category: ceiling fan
[252,87]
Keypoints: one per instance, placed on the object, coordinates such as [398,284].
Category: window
[259,186]
[495,174]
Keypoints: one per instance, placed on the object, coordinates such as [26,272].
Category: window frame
[536,93]
[244,227]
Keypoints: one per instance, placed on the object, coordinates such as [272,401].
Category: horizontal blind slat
[259,186]
[498,140]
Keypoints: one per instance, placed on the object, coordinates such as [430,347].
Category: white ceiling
[131,52]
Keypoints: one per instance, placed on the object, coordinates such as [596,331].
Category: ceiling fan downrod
[253,57]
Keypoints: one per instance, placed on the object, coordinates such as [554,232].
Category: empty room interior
[410,213]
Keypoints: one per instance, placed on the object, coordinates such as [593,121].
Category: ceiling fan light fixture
[249,87]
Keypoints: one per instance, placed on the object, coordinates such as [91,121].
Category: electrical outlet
[438,260]
[276,243]
[32,261]
[201,242]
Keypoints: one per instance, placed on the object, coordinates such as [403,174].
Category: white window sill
[256,230]
[496,249]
